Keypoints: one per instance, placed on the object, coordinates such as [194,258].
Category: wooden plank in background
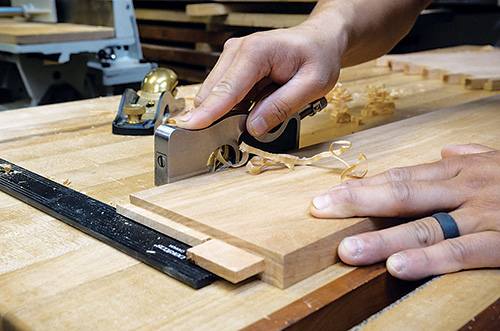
[242,19]
[179,55]
[190,35]
[207,9]
[21,33]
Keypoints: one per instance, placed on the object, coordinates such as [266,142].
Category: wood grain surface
[54,277]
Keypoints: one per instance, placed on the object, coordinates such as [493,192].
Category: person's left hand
[465,183]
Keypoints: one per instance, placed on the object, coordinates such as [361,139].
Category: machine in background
[63,70]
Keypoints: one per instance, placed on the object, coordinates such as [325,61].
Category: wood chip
[4,167]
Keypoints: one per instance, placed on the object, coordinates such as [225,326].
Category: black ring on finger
[448,224]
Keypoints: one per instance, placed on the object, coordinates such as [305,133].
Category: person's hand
[465,183]
[304,61]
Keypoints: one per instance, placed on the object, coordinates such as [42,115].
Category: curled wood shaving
[380,101]
[220,156]
[264,159]
[4,167]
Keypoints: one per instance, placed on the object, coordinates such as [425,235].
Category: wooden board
[262,20]
[268,214]
[21,33]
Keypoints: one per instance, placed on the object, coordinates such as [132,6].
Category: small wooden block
[227,261]
[398,65]
[492,84]
[474,83]
[433,73]
[162,224]
[453,78]
[414,69]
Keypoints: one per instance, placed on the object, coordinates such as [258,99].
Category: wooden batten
[227,261]
[162,224]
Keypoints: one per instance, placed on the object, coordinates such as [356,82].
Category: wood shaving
[67,182]
[338,96]
[338,104]
[264,159]
[380,101]
[4,167]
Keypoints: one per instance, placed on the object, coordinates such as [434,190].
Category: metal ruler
[102,222]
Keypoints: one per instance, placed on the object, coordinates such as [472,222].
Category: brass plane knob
[134,112]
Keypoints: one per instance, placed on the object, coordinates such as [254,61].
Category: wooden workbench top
[55,277]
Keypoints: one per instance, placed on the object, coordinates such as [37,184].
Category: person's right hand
[304,61]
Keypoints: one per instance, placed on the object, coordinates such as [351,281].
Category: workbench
[53,277]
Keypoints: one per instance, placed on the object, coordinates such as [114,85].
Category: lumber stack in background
[188,36]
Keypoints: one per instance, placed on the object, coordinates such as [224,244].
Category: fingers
[392,199]
[225,60]
[287,57]
[235,74]
[284,102]
[417,249]
[453,150]
[436,171]
[372,247]
[478,250]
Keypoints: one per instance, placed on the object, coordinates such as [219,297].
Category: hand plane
[140,113]
[181,153]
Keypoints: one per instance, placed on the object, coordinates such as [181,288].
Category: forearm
[366,29]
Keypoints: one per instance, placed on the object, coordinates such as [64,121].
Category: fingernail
[353,246]
[321,201]
[186,117]
[338,187]
[396,262]
[259,126]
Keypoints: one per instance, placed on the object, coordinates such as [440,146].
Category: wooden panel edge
[324,251]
